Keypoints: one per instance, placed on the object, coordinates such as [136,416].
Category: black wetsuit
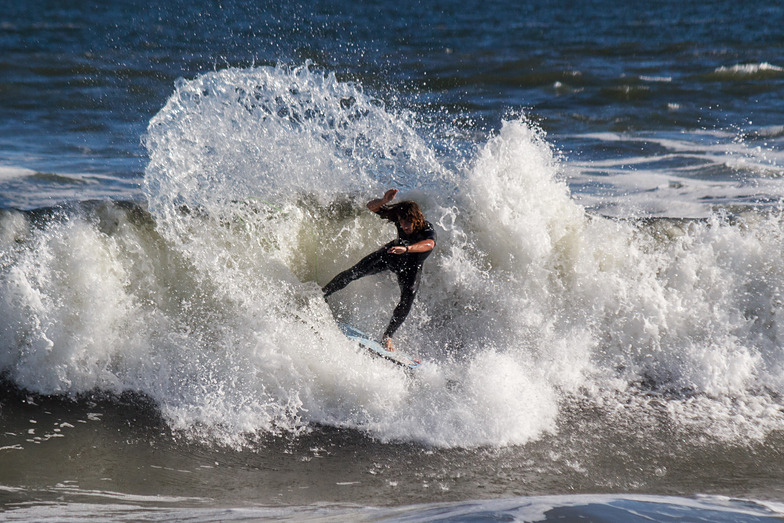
[407,267]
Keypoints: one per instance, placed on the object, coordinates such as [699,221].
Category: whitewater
[205,296]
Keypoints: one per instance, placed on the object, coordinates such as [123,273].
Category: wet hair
[405,210]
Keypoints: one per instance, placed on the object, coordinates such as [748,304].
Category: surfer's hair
[409,211]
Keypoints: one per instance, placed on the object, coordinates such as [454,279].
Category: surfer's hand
[389,196]
[378,203]
[398,249]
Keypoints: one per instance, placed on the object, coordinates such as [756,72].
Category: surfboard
[375,348]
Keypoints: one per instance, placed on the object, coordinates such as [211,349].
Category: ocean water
[600,326]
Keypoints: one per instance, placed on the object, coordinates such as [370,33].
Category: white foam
[8,172]
[656,79]
[673,183]
[748,69]
[216,313]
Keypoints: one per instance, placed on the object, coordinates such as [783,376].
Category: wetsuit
[407,267]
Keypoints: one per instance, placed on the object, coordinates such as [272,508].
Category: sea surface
[601,326]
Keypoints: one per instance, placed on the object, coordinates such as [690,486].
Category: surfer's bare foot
[387,342]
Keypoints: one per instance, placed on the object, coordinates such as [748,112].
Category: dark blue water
[636,360]
[79,84]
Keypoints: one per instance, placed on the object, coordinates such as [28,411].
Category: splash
[210,304]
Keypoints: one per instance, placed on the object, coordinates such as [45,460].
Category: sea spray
[210,304]
[251,249]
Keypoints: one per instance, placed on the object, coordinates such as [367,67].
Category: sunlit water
[601,314]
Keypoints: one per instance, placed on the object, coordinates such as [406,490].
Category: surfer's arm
[378,203]
[423,246]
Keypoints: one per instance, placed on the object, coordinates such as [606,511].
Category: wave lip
[752,71]
[9,172]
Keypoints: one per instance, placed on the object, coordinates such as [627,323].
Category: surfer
[404,256]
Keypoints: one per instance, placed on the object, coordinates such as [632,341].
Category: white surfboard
[376,348]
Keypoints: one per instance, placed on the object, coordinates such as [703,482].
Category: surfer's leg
[409,283]
[371,264]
